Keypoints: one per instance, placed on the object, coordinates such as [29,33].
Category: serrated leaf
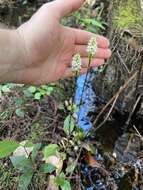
[7,147]
[47,168]
[50,150]
[69,125]
[25,180]
[20,113]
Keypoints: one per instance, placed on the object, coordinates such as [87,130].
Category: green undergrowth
[128,15]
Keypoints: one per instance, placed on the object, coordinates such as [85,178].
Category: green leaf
[20,113]
[22,163]
[5,88]
[71,167]
[50,150]
[69,125]
[66,185]
[35,151]
[27,94]
[47,168]
[25,180]
[37,96]
[49,90]
[32,89]
[18,101]
[60,181]
[7,147]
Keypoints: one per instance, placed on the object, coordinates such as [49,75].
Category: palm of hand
[49,47]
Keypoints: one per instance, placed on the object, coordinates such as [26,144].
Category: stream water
[126,171]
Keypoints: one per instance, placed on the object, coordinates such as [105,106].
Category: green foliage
[50,150]
[128,15]
[69,125]
[22,163]
[39,92]
[62,182]
[90,24]
[20,113]
[5,88]
[36,132]
[7,147]
[71,167]
[35,151]
[47,168]
[25,180]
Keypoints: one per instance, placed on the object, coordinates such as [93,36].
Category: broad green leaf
[42,92]
[50,150]
[22,163]
[49,90]
[25,180]
[47,168]
[69,125]
[66,185]
[7,147]
[20,113]
[32,89]
[37,96]
[60,181]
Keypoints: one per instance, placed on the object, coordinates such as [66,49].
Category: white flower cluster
[92,46]
[76,63]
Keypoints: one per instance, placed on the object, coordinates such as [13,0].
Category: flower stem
[83,89]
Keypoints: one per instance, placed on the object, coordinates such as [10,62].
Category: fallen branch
[122,88]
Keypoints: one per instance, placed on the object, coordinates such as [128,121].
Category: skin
[41,50]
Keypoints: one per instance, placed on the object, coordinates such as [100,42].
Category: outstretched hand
[49,47]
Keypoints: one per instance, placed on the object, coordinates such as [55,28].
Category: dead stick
[108,115]
[112,99]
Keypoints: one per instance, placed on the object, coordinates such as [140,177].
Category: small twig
[109,113]
[76,161]
[84,85]
[112,99]
[133,110]
[138,133]
[122,62]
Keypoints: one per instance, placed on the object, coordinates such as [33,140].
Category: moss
[128,15]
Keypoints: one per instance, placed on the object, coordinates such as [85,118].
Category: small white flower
[92,46]
[76,63]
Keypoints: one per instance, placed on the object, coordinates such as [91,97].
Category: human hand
[49,47]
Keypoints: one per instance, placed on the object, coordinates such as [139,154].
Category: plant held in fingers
[76,64]
[92,46]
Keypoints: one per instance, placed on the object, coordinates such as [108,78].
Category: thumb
[65,7]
